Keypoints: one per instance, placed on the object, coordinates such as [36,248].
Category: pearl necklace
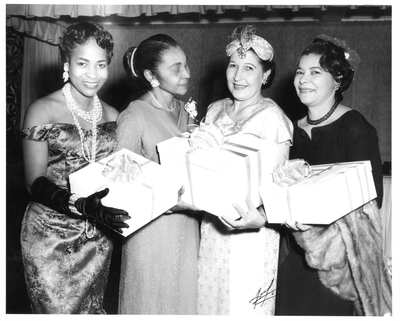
[92,116]
[161,106]
[319,121]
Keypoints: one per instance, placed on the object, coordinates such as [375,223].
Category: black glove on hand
[109,216]
[47,193]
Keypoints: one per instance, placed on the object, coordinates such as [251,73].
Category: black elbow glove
[47,193]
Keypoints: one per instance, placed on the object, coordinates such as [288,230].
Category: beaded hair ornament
[244,38]
[350,54]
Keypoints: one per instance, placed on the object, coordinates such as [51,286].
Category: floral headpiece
[244,38]
[350,54]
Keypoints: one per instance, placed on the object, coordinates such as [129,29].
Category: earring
[65,74]
[154,83]
[336,87]
[264,82]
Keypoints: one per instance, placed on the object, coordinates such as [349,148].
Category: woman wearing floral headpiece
[339,269]
[159,261]
[238,260]
[66,249]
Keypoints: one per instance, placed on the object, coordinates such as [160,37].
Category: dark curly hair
[148,55]
[332,60]
[81,33]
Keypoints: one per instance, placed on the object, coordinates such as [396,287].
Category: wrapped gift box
[214,180]
[333,191]
[151,193]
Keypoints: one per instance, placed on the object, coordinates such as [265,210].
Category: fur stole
[349,257]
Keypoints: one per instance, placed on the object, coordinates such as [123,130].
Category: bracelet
[71,204]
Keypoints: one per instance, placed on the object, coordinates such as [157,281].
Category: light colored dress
[238,269]
[159,261]
[66,260]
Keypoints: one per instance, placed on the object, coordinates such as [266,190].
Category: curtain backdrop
[26,18]
[74,11]
[40,68]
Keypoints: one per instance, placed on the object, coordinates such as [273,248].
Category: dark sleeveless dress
[349,138]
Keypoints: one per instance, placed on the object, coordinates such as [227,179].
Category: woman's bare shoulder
[44,110]
[110,112]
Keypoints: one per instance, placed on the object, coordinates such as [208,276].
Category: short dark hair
[80,33]
[148,55]
[332,60]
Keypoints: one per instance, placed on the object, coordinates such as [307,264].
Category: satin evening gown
[66,261]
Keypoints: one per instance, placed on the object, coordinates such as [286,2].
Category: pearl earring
[65,74]
[154,83]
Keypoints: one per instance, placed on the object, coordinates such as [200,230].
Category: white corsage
[191,108]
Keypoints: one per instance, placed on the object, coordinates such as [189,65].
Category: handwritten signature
[262,296]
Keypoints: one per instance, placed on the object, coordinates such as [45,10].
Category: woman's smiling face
[245,76]
[88,68]
[314,85]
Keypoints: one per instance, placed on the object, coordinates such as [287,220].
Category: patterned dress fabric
[238,269]
[159,261]
[66,260]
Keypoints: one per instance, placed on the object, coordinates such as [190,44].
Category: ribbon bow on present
[122,168]
[291,171]
[207,137]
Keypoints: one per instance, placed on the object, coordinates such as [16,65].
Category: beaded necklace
[92,116]
[161,106]
[319,121]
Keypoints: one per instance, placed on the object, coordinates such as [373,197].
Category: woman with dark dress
[331,132]
[66,248]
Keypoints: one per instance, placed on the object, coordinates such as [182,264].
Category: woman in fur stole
[337,269]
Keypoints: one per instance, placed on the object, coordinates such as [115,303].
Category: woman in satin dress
[159,261]
[66,246]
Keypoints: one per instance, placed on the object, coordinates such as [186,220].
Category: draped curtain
[51,32]
[40,70]
[56,11]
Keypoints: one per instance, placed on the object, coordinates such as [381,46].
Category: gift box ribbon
[205,136]
[291,171]
[259,160]
[294,171]
[123,168]
[189,167]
